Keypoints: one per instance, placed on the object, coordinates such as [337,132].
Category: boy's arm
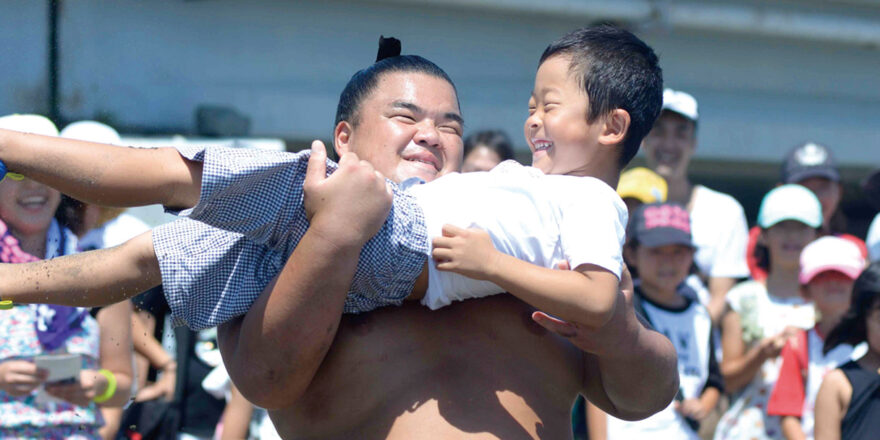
[104,174]
[88,279]
[586,295]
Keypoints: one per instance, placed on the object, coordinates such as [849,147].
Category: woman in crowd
[31,407]
[762,315]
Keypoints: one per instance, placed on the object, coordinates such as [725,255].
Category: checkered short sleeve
[210,275]
[257,193]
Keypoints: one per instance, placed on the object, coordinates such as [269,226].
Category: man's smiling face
[408,126]
[670,144]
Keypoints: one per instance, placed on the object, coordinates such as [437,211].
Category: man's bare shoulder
[477,364]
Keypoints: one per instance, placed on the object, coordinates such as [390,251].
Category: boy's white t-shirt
[542,219]
[720,233]
[873,239]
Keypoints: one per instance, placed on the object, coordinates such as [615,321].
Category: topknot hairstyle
[617,70]
[388,59]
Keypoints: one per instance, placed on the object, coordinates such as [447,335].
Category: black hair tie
[388,47]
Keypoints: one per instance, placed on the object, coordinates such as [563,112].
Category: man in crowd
[491,366]
[718,222]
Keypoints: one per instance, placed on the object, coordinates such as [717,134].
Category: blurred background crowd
[753,204]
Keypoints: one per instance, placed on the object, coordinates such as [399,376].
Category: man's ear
[342,138]
[615,128]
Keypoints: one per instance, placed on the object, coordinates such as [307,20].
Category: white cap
[790,202]
[91,131]
[831,253]
[680,102]
[35,124]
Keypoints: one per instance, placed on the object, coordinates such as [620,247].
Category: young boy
[563,209]
[659,245]
[829,268]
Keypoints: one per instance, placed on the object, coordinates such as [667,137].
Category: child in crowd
[762,315]
[848,403]
[829,266]
[563,208]
[659,244]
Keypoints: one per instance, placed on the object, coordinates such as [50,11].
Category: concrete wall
[147,65]
[23,56]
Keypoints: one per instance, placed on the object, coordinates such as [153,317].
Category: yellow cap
[5,304]
[642,184]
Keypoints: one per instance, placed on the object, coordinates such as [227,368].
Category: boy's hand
[692,408]
[606,340]
[468,252]
[20,378]
[350,205]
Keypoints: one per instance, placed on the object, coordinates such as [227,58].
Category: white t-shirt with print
[718,226]
[690,330]
[873,240]
[542,219]
[761,315]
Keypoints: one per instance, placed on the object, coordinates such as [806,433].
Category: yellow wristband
[15,176]
[111,386]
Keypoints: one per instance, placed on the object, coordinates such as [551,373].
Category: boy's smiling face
[557,131]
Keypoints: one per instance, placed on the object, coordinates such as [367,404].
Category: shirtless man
[486,368]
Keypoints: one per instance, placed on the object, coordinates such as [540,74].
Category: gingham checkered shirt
[250,219]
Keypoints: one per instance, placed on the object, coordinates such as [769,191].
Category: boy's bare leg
[104,174]
[94,278]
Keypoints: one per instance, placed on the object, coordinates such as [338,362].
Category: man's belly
[476,369]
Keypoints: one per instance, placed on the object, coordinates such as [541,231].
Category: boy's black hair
[617,71]
[865,297]
[364,81]
[495,140]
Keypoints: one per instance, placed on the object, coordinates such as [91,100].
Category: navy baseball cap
[809,160]
[660,224]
